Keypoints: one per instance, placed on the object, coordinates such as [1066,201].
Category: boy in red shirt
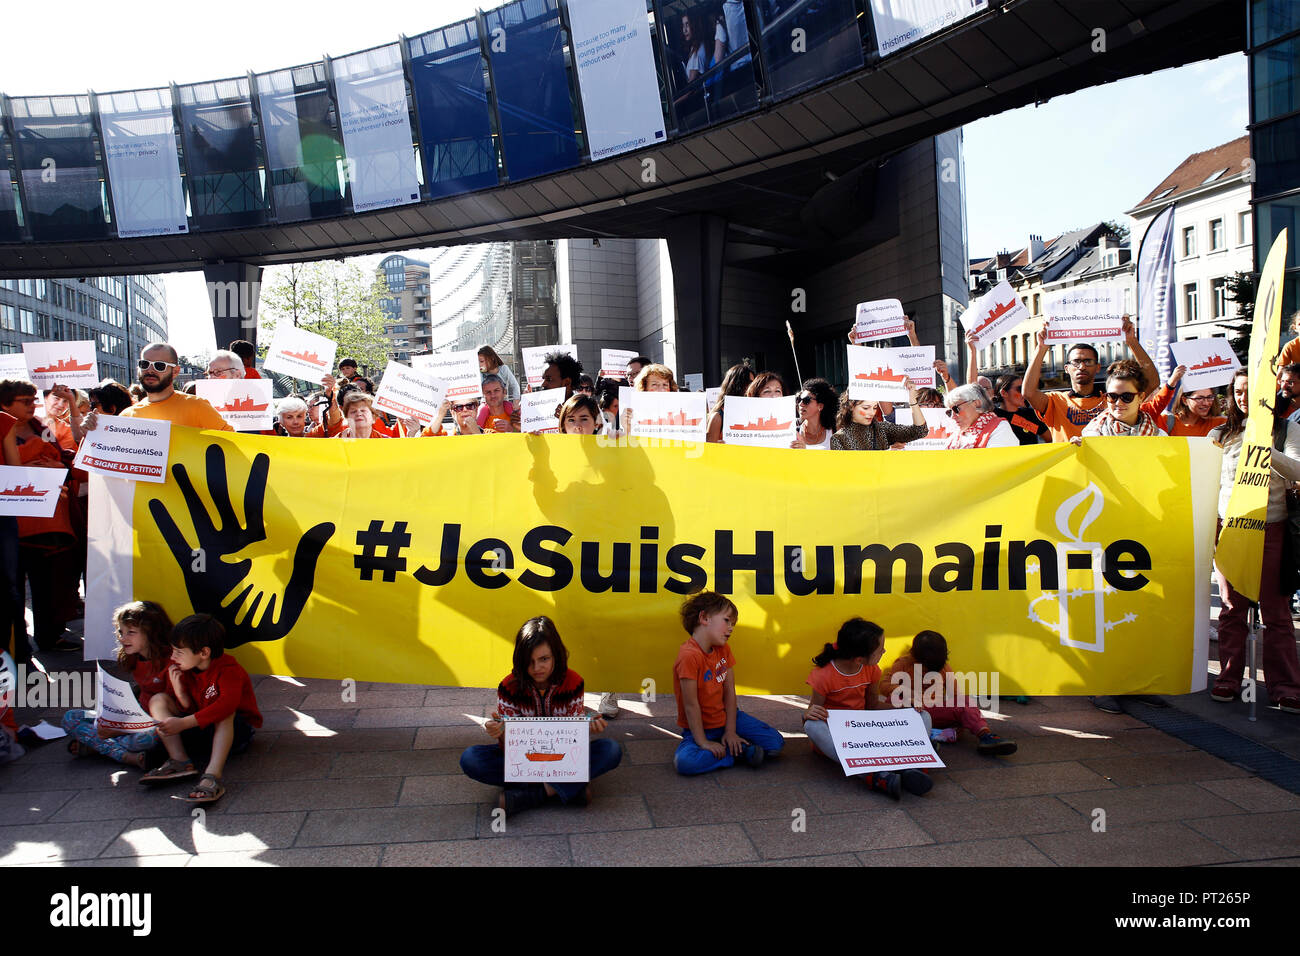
[714,731]
[216,696]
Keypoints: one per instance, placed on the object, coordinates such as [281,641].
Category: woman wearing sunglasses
[978,423]
[1123,414]
[816,403]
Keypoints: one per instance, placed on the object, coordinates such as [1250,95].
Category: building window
[1015,346]
[1216,235]
[1243,228]
[1189,241]
[1037,304]
[1025,343]
[1190,313]
[1219,292]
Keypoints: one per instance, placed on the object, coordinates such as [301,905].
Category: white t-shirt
[697,61]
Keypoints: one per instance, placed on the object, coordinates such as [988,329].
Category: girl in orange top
[845,679]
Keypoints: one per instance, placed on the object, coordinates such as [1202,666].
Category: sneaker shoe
[608,706]
[518,799]
[1289,705]
[992,745]
[754,755]
[916,782]
[1223,693]
[1106,704]
[886,782]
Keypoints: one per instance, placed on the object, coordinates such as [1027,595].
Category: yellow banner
[1240,554]
[1063,570]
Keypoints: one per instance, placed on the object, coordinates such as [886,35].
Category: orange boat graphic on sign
[763,425]
[311,358]
[542,753]
[25,491]
[1214,361]
[63,365]
[672,418]
[937,431]
[245,404]
[880,375]
[995,313]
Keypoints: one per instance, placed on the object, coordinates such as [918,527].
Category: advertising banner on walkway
[144,173]
[245,404]
[376,126]
[1066,570]
[900,23]
[616,73]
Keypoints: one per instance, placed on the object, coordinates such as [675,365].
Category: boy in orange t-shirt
[714,730]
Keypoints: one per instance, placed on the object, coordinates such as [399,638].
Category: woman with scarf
[978,423]
[1123,414]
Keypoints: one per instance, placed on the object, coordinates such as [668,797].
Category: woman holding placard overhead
[859,428]
[540,685]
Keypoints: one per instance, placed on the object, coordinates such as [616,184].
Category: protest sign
[679,416]
[117,707]
[244,404]
[877,374]
[61,363]
[613,362]
[535,361]
[13,365]
[766,422]
[410,393]
[458,370]
[711,397]
[1088,314]
[300,354]
[693,381]
[537,411]
[32,492]
[871,740]
[941,428]
[998,311]
[547,748]
[1210,362]
[133,448]
[882,319]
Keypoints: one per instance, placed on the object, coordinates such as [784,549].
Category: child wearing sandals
[845,679]
[210,707]
[142,650]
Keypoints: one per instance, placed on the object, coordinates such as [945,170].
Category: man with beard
[158,364]
[1288,393]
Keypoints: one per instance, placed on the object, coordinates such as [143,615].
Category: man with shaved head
[158,365]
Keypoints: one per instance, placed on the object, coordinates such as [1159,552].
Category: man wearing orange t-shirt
[158,364]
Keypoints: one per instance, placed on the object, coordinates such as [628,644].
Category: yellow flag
[1240,555]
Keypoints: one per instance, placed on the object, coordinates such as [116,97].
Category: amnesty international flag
[1240,555]
[1064,570]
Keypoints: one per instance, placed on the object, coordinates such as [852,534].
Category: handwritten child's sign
[410,393]
[1091,314]
[537,411]
[877,374]
[547,748]
[883,319]
[941,428]
[535,361]
[458,371]
[63,363]
[871,740]
[766,422]
[245,404]
[31,492]
[134,448]
[998,311]
[117,707]
[1210,362]
[679,416]
[300,354]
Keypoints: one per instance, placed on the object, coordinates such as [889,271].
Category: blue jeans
[690,758]
[486,763]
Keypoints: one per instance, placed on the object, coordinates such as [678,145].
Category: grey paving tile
[1011,851]
[33,806]
[1060,777]
[449,738]
[792,766]
[387,825]
[1254,836]
[285,765]
[130,802]
[417,716]
[56,842]
[1151,741]
[1154,844]
[444,788]
[990,819]
[314,795]
[396,763]
[68,773]
[1253,794]
[1059,747]
[488,851]
[323,722]
[835,859]
[219,833]
[1091,721]
[1164,768]
[606,812]
[352,699]
[342,856]
[687,808]
[398,738]
[1158,802]
[649,751]
[663,846]
[833,792]
[836,833]
[473,699]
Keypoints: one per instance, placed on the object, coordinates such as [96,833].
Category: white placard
[679,416]
[871,740]
[376,126]
[917,362]
[244,403]
[144,173]
[459,372]
[994,313]
[875,374]
[537,411]
[693,381]
[1087,314]
[134,448]
[13,365]
[900,23]
[547,748]
[616,73]
[766,422]
[711,397]
[613,362]
[535,361]
[61,363]
[300,354]
[32,492]
[941,429]
[117,707]
[1210,363]
[882,319]
[410,393]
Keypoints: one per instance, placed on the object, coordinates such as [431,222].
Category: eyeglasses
[1200,398]
[221,371]
[145,365]
[806,399]
[467,407]
[1088,363]
[1121,398]
[952,412]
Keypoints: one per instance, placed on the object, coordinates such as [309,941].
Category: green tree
[1241,290]
[1119,229]
[338,300]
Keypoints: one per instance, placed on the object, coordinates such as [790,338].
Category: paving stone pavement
[376,782]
